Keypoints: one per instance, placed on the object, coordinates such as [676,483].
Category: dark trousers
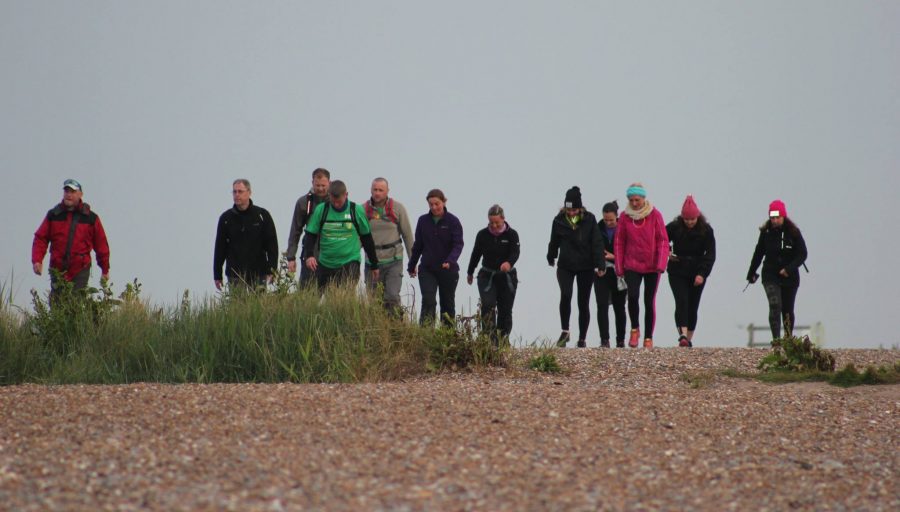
[347,274]
[607,292]
[307,276]
[585,279]
[438,282]
[80,282]
[246,282]
[498,292]
[687,300]
[651,284]
[781,308]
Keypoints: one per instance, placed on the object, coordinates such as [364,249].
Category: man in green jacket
[340,229]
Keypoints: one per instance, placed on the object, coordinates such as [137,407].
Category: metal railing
[816,333]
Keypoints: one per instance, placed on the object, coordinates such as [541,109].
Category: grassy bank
[248,337]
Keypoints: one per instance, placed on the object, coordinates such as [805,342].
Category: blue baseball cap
[72,184]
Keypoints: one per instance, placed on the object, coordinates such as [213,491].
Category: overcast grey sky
[157,106]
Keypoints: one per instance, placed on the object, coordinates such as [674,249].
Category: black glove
[551,260]
[752,277]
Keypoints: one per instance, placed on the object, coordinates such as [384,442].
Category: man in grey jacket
[304,207]
[391,231]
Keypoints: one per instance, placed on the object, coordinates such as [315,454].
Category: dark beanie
[573,198]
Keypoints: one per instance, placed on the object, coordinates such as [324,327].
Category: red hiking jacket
[89,235]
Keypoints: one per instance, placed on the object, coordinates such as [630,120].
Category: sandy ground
[620,430]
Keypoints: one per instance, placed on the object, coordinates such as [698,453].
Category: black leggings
[651,284]
[585,280]
[687,301]
[607,292]
[781,308]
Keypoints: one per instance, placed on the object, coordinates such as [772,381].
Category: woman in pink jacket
[642,253]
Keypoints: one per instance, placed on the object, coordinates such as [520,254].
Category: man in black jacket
[245,241]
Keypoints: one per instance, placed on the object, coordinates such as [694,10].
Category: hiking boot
[648,343]
[604,343]
[683,341]
[620,343]
[582,344]
[635,336]
[563,339]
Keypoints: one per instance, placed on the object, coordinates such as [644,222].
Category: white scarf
[639,214]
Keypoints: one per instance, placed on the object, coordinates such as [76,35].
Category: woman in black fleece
[690,263]
[575,237]
[607,288]
[497,246]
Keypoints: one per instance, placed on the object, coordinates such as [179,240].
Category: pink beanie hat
[690,210]
[777,208]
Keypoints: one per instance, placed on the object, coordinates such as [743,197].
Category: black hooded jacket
[783,248]
[695,249]
[578,248]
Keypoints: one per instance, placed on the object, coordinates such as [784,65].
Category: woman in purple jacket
[439,242]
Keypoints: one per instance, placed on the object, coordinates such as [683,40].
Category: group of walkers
[329,231]
[620,253]
[614,256]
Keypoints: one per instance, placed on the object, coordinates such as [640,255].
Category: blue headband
[635,191]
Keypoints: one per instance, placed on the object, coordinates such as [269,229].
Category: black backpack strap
[309,204]
[351,206]
[324,216]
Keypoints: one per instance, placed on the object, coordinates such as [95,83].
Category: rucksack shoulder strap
[389,211]
[325,210]
[324,216]
[352,207]
[309,203]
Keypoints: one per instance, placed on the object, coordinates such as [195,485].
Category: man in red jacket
[72,231]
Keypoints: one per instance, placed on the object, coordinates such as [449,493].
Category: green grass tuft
[288,335]
[850,376]
[846,377]
[545,361]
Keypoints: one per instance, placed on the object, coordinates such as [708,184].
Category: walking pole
[755,277]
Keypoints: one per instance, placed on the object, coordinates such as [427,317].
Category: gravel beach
[618,430]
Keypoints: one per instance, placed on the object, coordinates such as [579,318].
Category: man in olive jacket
[303,208]
[391,231]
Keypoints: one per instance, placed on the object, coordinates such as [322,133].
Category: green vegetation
[798,360]
[545,361]
[850,376]
[462,347]
[288,335]
[796,355]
